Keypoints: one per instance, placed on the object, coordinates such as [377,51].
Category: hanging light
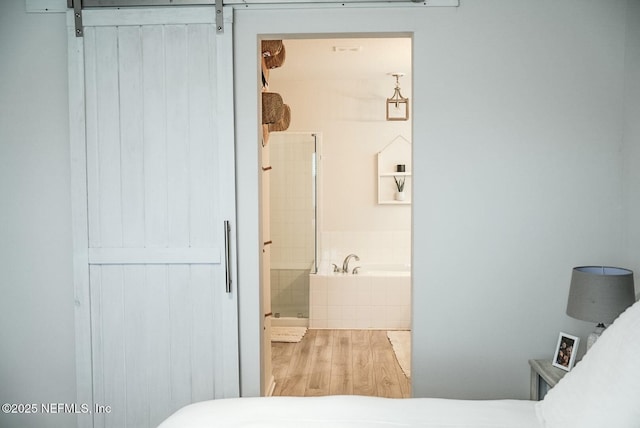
[397,105]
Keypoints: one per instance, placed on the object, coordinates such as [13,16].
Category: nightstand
[544,376]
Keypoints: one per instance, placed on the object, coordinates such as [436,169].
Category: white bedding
[354,412]
[601,391]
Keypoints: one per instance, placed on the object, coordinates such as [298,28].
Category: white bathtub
[289,322]
[378,297]
[384,270]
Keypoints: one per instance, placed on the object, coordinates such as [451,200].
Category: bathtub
[377,297]
[384,270]
[289,322]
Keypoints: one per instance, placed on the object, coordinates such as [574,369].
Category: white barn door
[154,212]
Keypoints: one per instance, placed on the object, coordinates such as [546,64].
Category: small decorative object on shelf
[400,187]
[394,163]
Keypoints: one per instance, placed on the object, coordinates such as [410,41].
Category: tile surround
[369,302]
[373,247]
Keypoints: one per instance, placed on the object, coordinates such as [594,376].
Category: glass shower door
[293,208]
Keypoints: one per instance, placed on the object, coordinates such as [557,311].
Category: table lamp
[599,294]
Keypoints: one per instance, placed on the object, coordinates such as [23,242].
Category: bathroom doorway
[358,285]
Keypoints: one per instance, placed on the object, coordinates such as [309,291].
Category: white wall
[632,139]
[524,182]
[519,117]
[37,342]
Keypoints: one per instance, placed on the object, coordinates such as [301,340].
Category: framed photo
[565,356]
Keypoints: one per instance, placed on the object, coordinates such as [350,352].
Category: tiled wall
[373,247]
[360,301]
[349,115]
[292,201]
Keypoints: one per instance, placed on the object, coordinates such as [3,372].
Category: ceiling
[351,58]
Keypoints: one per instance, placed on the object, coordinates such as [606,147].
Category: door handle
[227,255]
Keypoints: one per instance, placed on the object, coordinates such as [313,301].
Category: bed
[603,390]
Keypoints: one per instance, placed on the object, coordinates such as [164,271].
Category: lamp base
[595,335]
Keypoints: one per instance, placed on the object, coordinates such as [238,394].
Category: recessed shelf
[394,202]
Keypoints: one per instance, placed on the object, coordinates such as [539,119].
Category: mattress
[354,412]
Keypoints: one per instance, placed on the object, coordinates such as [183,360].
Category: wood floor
[337,362]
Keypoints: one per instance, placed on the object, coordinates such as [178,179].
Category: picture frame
[566,350]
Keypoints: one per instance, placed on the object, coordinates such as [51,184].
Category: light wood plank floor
[339,362]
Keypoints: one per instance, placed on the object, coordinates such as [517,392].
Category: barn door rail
[79,5]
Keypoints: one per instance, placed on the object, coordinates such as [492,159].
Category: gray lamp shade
[600,293]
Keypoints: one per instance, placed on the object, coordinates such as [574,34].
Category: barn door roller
[219,17]
[76,5]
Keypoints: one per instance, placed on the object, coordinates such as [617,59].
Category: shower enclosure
[293,213]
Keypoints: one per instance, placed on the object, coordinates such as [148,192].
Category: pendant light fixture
[397,105]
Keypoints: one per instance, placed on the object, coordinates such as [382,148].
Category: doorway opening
[336,235]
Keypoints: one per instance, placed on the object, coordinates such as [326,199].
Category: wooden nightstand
[544,376]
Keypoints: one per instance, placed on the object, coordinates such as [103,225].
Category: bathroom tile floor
[339,362]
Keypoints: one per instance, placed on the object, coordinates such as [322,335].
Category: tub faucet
[345,264]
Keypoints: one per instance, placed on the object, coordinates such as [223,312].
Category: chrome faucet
[345,264]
